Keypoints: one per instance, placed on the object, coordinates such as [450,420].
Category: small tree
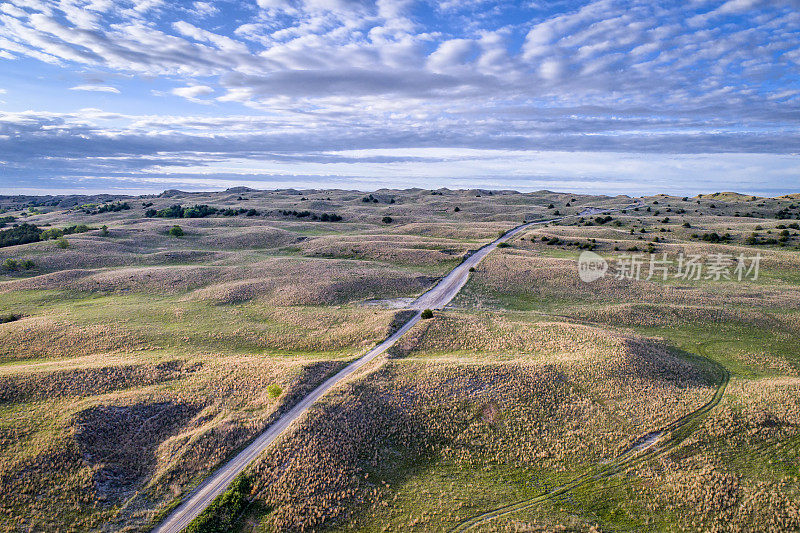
[176,231]
[427,314]
[28,264]
[10,264]
[386,220]
[62,243]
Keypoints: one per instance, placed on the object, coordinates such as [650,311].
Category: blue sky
[606,96]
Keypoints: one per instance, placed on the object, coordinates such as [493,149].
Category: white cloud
[204,9]
[95,88]
[623,75]
[452,53]
[192,92]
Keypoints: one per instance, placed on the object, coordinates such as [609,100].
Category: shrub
[274,390]
[104,231]
[222,514]
[176,231]
[387,220]
[28,264]
[10,265]
[427,313]
[113,207]
[198,211]
[472,269]
[503,245]
[456,209]
[52,233]
[62,243]
[9,318]
[22,234]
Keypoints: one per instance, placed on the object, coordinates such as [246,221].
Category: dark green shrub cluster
[198,211]
[114,207]
[94,209]
[6,220]
[427,313]
[22,234]
[713,237]
[221,516]
[324,217]
[57,233]
[372,199]
[9,318]
[12,265]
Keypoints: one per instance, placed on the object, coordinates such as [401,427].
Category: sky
[609,96]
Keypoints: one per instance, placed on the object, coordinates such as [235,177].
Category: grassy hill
[133,361]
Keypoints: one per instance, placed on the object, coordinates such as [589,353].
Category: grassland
[137,361]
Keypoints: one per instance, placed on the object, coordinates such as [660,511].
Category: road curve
[436,298]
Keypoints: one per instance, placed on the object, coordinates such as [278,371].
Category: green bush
[10,265]
[52,233]
[503,245]
[221,516]
[427,314]
[176,231]
[274,390]
[22,234]
[62,243]
[386,220]
[28,264]
[9,318]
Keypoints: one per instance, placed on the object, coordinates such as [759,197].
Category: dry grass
[141,361]
[88,446]
[577,400]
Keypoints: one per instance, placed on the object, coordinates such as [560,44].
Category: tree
[387,220]
[23,234]
[427,314]
[176,231]
[62,243]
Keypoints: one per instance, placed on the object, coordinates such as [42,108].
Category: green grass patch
[224,512]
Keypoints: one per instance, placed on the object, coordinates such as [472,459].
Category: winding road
[436,298]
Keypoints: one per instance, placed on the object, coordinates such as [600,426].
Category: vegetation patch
[223,513]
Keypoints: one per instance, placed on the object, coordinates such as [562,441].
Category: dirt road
[436,298]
